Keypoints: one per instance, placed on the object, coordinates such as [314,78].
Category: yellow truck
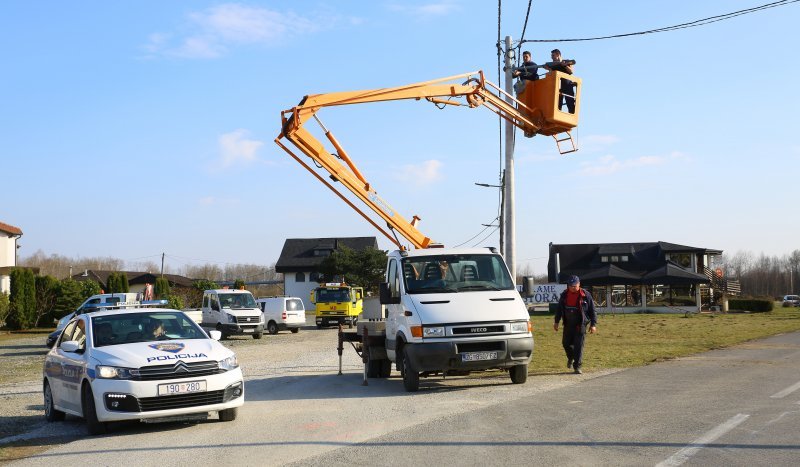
[337,303]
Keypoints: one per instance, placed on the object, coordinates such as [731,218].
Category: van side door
[394,311]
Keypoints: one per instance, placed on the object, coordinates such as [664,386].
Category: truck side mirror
[527,286]
[386,295]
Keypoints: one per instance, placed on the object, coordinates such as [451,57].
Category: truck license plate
[477,356]
[181,388]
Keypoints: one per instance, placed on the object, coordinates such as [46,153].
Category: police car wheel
[51,414]
[93,425]
[519,374]
[228,415]
[272,327]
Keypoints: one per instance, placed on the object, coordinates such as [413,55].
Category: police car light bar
[94,306]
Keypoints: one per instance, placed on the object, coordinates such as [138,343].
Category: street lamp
[502,208]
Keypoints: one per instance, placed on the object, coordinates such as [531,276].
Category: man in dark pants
[576,307]
[566,92]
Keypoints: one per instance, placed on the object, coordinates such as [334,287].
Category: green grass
[637,339]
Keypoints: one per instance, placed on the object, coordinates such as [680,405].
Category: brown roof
[10,229]
[134,277]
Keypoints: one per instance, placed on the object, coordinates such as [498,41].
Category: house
[137,281]
[657,276]
[8,254]
[300,259]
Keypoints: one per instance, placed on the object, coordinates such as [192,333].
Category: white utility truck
[232,312]
[441,311]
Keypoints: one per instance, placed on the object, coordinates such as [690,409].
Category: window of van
[294,304]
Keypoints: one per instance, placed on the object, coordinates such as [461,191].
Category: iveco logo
[477,329]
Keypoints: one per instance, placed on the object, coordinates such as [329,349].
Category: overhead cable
[691,24]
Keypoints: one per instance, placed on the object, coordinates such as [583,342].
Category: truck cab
[232,312]
[337,303]
[454,311]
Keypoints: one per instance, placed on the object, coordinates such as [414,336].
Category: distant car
[791,300]
[150,364]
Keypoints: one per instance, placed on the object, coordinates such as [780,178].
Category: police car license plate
[477,356]
[181,388]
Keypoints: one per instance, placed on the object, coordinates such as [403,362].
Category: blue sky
[135,128]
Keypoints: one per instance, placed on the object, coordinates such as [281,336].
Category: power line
[524,25]
[691,24]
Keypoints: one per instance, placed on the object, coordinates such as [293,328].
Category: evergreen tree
[123,283]
[364,268]
[161,289]
[4,308]
[238,284]
[23,299]
[87,289]
[70,296]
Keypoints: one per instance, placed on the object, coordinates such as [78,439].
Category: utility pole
[162,264]
[508,183]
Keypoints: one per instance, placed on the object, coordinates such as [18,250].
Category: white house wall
[8,252]
[301,290]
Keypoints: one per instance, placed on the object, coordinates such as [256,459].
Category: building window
[624,258]
[604,259]
[615,259]
[315,277]
[300,277]
[599,295]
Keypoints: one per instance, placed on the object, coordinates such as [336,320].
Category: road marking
[786,391]
[684,454]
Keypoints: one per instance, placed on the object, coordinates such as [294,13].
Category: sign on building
[547,293]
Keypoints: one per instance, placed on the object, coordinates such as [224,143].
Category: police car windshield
[126,328]
[455,273]
[237,300]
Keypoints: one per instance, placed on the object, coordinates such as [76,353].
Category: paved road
[739,406]
[731,407]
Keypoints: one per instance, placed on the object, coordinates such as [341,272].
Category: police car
[148,364]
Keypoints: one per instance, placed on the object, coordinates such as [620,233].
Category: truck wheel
[295,330]
[258,335]
[410,375]
[519,374]
[93,425]
[228,415]
[386,368]
[222,336]
[272,327]
[373,368]
[51,414]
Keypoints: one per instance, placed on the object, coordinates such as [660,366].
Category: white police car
[148,364]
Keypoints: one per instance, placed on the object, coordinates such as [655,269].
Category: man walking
[576,307]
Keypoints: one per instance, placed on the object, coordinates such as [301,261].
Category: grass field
[637,339]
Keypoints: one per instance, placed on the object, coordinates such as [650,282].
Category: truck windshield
[333,295]
[455,273]
[237,300]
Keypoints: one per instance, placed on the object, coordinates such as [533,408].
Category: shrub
[22,314]
[4,307]
[753,305]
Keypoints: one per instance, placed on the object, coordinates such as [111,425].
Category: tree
[46,295]
[238,284]
[117,283]
[87,289]
[4,307]
[161,289]
[70,296]
[363,268]
[123,282]
[22,299]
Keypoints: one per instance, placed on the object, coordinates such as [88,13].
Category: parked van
[282,313]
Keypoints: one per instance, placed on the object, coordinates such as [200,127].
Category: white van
[282,313]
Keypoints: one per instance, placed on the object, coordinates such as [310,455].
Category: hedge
[754,305]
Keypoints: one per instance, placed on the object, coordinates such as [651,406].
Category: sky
[132,129]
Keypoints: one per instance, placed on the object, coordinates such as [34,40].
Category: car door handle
[408,313]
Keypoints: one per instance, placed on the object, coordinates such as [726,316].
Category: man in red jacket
[576,307]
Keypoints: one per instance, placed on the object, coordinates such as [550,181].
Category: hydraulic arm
[472,87]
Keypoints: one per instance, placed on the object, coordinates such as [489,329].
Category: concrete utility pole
[510,230]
